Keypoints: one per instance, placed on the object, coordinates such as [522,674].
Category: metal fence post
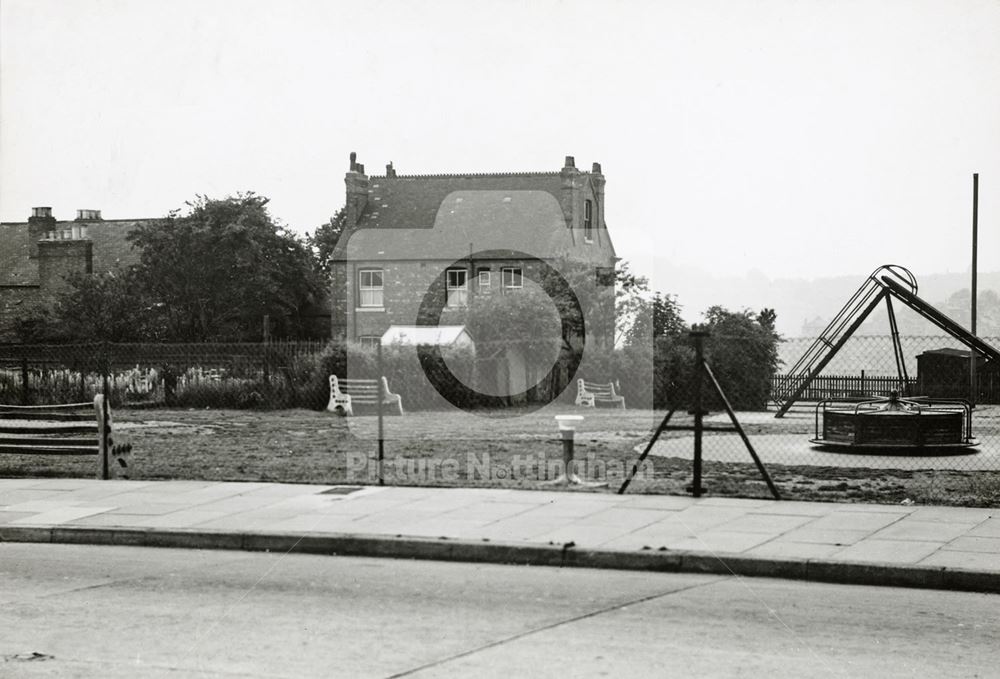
[698,336]
[25,399]
[379,399]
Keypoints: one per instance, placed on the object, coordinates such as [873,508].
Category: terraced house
[37,255]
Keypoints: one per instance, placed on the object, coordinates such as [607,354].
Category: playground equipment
[895,424]
[886,282]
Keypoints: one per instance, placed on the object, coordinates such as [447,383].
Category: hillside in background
[805,306]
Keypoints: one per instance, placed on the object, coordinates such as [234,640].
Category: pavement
[915,546]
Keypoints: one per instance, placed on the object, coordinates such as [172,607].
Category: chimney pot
[354,161]
[570,161]
[390,171]
[596,169]
[361,168]
[43,212]
[88,215]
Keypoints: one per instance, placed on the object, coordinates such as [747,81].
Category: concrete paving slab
[795,508]
[17,497]
[887,551]
[765,523]
[866,521]
[933,531]
[968,543]
[979,561]
[953,514]
[55,517]
[37,506]
[664,502]
[988,528]
[784,549]
[7,517]
[809,534]
[492,510]
[625,519]
[582,534]
[718,541]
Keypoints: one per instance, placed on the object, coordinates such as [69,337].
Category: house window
[588,221]
[370,286]
[484,278]
[369,341]
[458,287]
[510,277]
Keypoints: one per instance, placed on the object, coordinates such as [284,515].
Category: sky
[774,138]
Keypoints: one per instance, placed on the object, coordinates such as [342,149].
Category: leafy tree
[219,269]
[324,240]
[655,318]
[109,307]
[743,351]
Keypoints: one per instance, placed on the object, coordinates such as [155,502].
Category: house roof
[412,202]
[413,335]
[498,221]
[111,247]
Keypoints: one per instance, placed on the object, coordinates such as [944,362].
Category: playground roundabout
[787,442]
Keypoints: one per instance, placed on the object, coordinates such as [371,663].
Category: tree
[325,239]
[742,349]
[220,269]
[110,307]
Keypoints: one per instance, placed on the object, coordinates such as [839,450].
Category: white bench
[71,429]
[345,393]
[589,394]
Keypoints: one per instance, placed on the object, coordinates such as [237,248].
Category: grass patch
[304,446]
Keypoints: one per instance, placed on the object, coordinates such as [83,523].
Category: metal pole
[380,398]
[975,256]
[699,352]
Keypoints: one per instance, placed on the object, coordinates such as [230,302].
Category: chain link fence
[258,412]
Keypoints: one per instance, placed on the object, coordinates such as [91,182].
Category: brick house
[37,255]
[441,240]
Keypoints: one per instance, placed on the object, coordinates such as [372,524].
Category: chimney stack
[40,223]
[357,191]
[570,162]
[390,171]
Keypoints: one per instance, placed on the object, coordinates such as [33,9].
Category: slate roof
[412,202]
[111,248]
[498,221]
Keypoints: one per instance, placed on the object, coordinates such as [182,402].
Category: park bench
[345,393]
[70,429]
[591,393]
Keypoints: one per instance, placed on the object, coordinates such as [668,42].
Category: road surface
[89,611]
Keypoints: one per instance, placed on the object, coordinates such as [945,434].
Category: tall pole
[975,248]
[380,395]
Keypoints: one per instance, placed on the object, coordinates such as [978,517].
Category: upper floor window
[370,287]
[458,287]
[510,277]
[588,221]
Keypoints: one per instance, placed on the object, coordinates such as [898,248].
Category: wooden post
[101,411]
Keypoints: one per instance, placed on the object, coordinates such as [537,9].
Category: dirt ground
[522,451]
